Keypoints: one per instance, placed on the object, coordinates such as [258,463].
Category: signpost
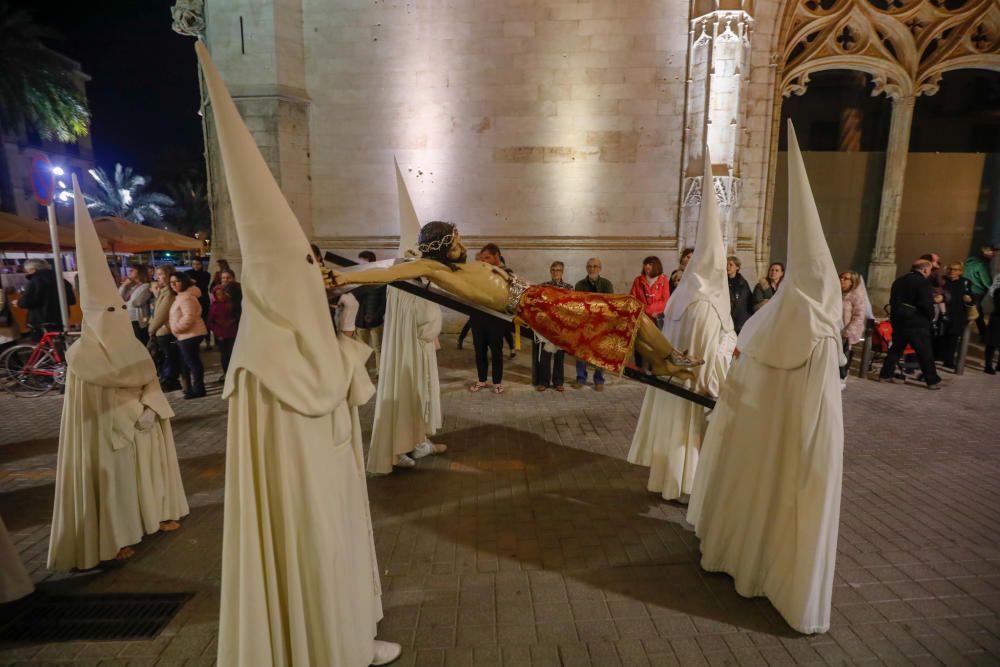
[43,184]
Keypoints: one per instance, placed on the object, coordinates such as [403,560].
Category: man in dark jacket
[41,299]
[740,295]
[594,282]
[911,309]
[201,279]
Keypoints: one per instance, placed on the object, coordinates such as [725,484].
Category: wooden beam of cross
[450,301]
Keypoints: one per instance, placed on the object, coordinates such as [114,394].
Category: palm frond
[124,196]
[37,85]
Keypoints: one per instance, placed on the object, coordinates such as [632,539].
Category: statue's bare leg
[651,344]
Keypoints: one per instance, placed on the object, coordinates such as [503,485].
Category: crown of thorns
[434,246]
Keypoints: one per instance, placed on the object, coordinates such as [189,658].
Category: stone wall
[552,127]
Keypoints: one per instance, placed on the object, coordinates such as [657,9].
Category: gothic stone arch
[905,46]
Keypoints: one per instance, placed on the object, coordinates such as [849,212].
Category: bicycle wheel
[31,380]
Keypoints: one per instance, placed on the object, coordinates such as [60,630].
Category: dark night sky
[143,91]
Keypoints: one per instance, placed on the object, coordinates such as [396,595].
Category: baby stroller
[881,337]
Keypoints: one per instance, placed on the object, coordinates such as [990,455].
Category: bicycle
[34,370]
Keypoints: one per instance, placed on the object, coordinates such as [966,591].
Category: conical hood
[807,306]
[409,224]
[286,337]
[705,278]
[108,353]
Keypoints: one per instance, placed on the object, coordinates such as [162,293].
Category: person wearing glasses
[594,282]
[957,293]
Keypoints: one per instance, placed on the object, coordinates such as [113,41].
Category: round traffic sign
[42,179]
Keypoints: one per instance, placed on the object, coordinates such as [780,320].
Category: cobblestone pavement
[533,542]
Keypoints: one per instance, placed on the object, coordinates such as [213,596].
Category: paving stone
[532,541]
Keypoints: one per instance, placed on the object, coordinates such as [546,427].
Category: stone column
[882,270]
[718,69]
[258,48]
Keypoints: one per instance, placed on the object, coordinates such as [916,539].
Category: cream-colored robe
[766,500]
[114,483]
[669,432]
[408,401]
[14,580]
[300,582]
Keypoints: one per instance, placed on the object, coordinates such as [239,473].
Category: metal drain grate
[108,617]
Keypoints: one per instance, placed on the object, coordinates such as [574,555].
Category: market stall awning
[17,233]
[122,236]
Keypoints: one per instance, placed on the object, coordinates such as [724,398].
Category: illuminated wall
[552,128]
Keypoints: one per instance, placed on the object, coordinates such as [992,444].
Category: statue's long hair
[434,242]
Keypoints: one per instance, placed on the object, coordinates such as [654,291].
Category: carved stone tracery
[906,45]
[188,17]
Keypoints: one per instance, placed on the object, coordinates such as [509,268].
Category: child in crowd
[224,320]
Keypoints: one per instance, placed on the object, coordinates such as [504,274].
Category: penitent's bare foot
[125,553]
[167,526]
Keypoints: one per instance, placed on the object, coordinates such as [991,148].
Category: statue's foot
[668,368]
[683,359]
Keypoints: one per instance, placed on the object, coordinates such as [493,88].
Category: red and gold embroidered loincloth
[597,328]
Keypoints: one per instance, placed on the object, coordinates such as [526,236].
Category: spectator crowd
[181,312]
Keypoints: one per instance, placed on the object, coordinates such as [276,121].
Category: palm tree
[190,213]
[124,196]
[38,87]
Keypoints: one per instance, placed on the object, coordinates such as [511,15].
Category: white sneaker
[386,652]
[404,461]
[426,448]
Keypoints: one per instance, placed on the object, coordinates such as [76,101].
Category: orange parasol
[17,233]
[122,236]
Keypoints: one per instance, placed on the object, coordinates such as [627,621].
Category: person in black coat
[41,298]
[911,310]
[957,292]
[740,294]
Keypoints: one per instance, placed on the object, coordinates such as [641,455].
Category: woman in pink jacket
[853,313]
[188,328]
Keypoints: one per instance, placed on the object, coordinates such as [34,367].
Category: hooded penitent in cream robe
[116,472]
[697,319]
[408,400]
[14,580]
[299,578]
[766,500]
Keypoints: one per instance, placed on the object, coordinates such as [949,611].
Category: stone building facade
[561,129]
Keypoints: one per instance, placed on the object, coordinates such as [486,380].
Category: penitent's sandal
[476,386]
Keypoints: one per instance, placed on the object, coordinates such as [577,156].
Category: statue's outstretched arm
[420,268]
